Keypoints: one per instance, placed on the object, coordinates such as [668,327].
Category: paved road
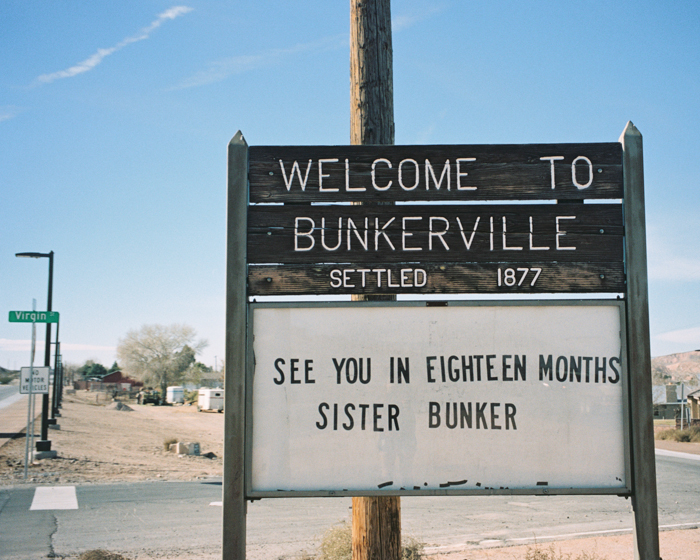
[13,412]
[8,395]
[167,516]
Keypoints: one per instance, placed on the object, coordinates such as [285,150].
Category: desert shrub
[99,554]
[686,435]
[336,544]
[411,548]
[191,396]
[167,442]
[549,553]
[667,434]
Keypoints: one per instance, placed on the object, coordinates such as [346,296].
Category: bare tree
[159,355]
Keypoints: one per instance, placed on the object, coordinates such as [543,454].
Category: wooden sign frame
[643,474]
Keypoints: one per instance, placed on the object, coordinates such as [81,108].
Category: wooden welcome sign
[303,237]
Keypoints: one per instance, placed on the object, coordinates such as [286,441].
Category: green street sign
[33,316]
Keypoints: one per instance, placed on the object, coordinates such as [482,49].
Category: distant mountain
[7,375]
[676,368]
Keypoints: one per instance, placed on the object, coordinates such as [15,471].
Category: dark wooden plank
[497,172]
[445,278]
[594,230]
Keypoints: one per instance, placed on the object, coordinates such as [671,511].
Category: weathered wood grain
[445,278]
[595,230]
[234,505]
[376,528]
[498,172]
[376,523]
[644,499]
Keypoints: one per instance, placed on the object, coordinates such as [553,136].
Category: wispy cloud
[95,59]
[670,267]
[425,134]
[688,337]
[219,70]
[674,258]
[404,21]
[8,112]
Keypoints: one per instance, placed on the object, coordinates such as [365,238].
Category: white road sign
[457,399]
[40,383]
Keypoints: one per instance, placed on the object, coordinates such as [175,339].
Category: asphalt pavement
[165,517]
[13,412]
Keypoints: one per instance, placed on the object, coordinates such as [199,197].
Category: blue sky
[115,116]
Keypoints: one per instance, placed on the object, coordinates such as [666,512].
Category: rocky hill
[7,375]
[683,367]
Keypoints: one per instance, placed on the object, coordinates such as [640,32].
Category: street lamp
[44,444]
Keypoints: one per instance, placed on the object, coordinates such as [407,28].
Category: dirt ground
[100,444]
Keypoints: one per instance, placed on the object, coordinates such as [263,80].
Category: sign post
[29,432]
[644,500]
[234,494]
[376,521]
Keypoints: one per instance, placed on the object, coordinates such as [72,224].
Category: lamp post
[44,444]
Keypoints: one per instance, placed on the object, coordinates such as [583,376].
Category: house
[694,407]
[666,403]
[114,380]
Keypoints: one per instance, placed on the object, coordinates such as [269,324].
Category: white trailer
[210,399]
[175,395]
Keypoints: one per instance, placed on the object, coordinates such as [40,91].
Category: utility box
[189,448]
[210,399]
[175,395]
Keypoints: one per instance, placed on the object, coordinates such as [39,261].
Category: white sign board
[40,382]
[498,396]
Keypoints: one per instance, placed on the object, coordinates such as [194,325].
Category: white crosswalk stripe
[54,497]
[689,456]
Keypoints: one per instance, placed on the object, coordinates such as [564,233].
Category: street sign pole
[55,388]
[44,446]
[30,416]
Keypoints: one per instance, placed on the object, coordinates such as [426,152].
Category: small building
[694,407]
[114,381]
[666,403]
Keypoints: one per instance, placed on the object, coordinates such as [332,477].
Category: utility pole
[376,521]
